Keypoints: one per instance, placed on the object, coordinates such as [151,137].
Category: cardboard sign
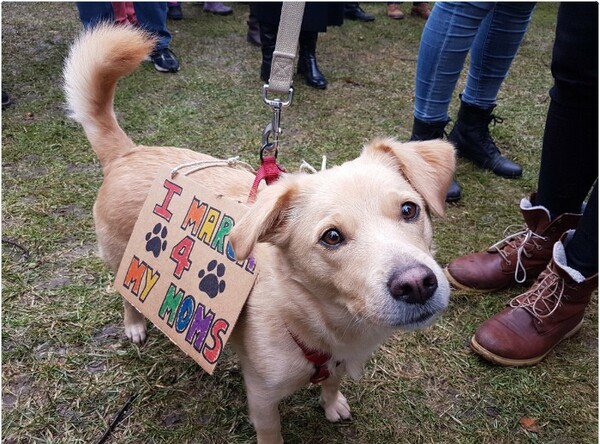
[179,269]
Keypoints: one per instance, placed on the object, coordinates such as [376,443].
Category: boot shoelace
[544,297]
[518,242]
[485,134]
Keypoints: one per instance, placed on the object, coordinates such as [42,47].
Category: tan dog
[345,254]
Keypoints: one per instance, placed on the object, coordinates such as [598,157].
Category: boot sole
[463,287]
[506,362]
[483,167]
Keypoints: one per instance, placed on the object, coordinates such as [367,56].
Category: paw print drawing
[155,239]
[210,283]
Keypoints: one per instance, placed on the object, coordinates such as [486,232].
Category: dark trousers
[569,165]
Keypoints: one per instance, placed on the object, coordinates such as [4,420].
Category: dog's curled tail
[96,61]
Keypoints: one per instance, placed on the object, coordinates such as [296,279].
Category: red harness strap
[270,171]
[319,360]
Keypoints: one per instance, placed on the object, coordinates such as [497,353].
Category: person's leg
[446,40]
[568,169]
[570,151]
[307,60]
[569,163]
[253,35]
[92,13]
[268,39]
[582,251]
[553,308]
[492,53]
[493,50]
[152,16]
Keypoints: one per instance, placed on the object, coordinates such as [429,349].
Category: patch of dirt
[96,367]
[84,168]
[109,333]
[73,210]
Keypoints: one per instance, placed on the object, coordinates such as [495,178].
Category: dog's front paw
[136,332]
[337,408]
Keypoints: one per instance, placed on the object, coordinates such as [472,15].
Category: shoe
[353,11]
[174,11]
[471,137]
[217,8]
[164,60]
[6,100]
[517,258]
[393,11]
[538,320]
[421,10]
[435,130]
[454,193]
[307,60]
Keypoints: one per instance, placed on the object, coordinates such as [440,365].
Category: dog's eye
[332,238]
[410,211]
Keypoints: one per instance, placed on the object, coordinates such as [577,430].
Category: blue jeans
[492,31]
[152,16]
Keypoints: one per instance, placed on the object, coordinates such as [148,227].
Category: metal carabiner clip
[270,137]
[266,139]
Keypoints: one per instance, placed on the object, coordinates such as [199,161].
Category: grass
[67,368]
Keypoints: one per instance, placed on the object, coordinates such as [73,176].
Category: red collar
[319,360]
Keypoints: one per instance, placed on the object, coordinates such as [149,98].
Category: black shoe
[174,12]
[471,137]
[307,60]
[164,60]
[429,131]
[454,193]
[6,100]
[352,11]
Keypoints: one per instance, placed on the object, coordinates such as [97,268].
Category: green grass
[67,368]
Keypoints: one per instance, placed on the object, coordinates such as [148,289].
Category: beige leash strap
[282,66]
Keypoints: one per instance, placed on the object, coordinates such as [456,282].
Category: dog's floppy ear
[428,166]
[266,219]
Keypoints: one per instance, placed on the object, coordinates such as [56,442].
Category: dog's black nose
[413,285]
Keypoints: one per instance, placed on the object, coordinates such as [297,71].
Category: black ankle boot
[435,130]
[471,137]
[307,61]
[268,38]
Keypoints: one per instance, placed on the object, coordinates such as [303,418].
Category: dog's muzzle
[414,284]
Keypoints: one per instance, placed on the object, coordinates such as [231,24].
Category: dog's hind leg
[135,323]
[333,401]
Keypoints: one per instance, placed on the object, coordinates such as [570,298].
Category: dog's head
[358,237]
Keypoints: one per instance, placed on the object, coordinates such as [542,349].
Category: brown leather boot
[421,10]
[393,11]
[539,319]
[517,258]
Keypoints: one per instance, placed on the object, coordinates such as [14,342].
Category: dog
[346,254]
